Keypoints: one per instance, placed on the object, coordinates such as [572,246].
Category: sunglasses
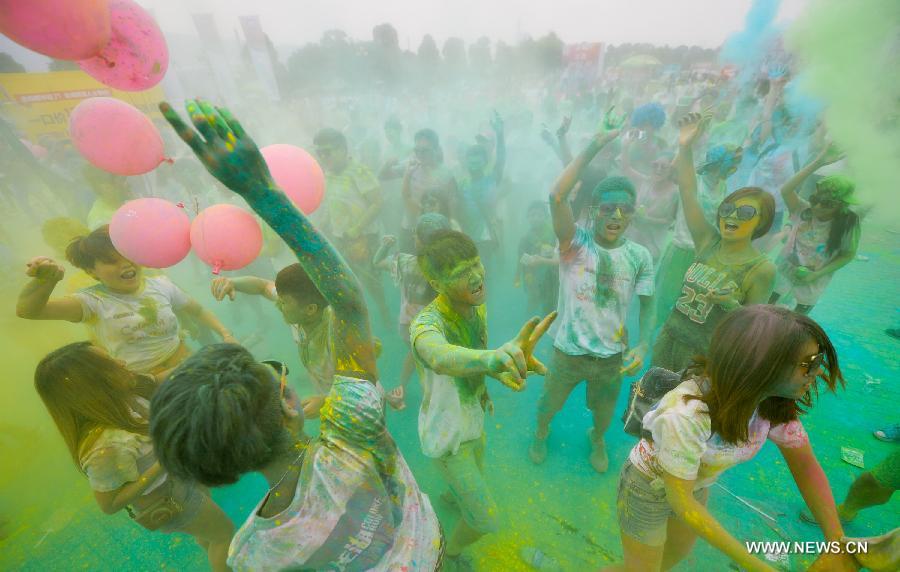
[813,363]
[324,151]
[743,212]
[827,203]
[282,369]
[606,209]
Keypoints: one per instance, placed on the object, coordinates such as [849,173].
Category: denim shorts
[642,507]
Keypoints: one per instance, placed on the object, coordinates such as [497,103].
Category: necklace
[298,461]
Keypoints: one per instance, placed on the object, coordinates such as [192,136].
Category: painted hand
[634,360]
[222,145]
[496,123]
[690,127]
[389,240]
[513,361]
[613,121]
[830,154]
[564,125]
[222,287]
[312,406]
[724,297]
[804,275]
[44,268]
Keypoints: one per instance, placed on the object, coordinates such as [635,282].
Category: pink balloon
[64,29]
[226,237]
[115,136]
[151,232]
[136,57]
[297,173]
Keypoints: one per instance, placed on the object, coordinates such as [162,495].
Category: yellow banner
[39,104]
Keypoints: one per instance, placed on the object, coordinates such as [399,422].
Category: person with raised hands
[727,272]
[600,271]
[345,500]
[449,341]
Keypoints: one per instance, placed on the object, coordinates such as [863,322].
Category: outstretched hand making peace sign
[513,361]
[222,145]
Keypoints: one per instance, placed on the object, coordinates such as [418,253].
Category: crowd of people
[606,221]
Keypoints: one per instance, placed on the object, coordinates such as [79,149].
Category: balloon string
[217,267]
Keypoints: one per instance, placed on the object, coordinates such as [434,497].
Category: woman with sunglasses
[101,410]
[346,500]
[727,272]
[760,373]
[823,238]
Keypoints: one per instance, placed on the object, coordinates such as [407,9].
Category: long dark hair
[752,350]
[86,391]
[843,225]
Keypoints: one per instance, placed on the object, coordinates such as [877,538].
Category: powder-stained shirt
[112,458]
[596,286]
[452,410]
[357,505]
[684,445]
[348,195]
[140,329]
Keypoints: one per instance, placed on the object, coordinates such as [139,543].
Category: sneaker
[538,451]
[889,435]
[599,458]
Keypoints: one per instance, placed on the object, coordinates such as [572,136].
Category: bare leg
[639,557]
[864,492]
[212,530]
[461,537]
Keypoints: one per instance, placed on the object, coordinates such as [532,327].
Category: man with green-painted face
[449,341]
[600,271]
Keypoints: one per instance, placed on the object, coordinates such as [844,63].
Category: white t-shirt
[452,410]
[684,446]
[140,329]
[357,505]
[591,319]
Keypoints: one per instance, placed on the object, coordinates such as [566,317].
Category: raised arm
[789,191]
[560,209]
[34,301]
[252,285]
[500,159]
[690,128]
[510,363]
[380,260]
[230,155]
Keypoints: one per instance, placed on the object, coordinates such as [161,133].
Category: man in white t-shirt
[599,272]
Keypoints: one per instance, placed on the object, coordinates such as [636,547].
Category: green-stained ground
[51,523]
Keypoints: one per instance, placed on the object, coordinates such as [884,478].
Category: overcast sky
[295,22]
[702,22]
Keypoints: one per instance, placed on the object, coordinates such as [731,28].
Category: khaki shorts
[464,473]
[566,372]
[642,507]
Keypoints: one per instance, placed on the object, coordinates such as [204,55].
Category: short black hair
[613,184]
[293,281]
[218,416]
[84,251]
[330,136]
[443,251]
